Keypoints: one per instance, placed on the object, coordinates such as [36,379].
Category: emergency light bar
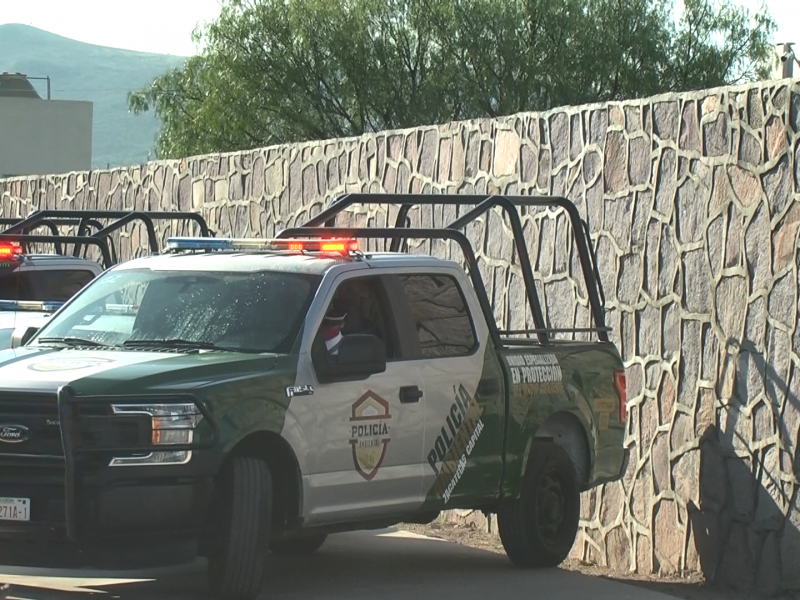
[332,245]
[30,305]
[10,249]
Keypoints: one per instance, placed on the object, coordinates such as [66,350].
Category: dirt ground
[691,588]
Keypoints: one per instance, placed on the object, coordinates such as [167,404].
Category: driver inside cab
[332,326]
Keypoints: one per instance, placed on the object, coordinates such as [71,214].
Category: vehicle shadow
[745,525]
[358,566]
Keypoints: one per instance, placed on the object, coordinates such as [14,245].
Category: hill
[80,71]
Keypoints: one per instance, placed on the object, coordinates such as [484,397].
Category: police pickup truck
[33,286]
[192,403]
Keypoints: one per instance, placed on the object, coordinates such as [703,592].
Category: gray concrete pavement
[352,566]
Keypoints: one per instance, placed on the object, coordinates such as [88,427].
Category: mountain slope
[80,71]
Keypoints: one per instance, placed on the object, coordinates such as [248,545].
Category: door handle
[488,387]
[409,394]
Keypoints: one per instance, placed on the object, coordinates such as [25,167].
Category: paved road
[352,566]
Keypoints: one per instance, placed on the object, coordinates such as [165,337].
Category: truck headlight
[171,424]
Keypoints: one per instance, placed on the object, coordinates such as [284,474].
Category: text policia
[455,442]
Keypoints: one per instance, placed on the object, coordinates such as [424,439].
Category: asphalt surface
[352,566]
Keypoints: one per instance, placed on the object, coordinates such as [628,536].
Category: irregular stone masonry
[693,202]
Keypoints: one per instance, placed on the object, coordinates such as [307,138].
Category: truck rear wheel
[239,540]
[538,528]
[298,546]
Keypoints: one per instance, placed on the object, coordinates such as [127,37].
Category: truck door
[365,437]
[463,387]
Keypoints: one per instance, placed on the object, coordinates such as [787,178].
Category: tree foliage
[278,71]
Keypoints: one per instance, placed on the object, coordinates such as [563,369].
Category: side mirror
[22,334]
[360,355]
[364,353]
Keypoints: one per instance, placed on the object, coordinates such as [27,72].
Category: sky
[165,26]
[160,26]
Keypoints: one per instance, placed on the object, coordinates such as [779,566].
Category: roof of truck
[52,258]
[293,262]
[52,261]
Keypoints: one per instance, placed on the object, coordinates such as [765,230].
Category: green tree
[277,71]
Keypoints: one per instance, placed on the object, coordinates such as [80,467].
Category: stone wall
[693,202]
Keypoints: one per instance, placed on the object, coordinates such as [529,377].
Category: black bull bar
[73,425]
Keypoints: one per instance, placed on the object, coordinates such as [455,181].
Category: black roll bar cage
[482,204]
[86,219]
[52,225]
[24,239]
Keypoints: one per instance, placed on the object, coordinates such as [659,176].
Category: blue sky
[165,26]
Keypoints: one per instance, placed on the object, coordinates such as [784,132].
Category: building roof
[17,85]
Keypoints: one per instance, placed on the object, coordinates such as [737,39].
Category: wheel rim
[552,507]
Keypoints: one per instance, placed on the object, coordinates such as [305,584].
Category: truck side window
[440,315]
[362,298]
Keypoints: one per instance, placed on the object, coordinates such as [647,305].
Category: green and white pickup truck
[189,404]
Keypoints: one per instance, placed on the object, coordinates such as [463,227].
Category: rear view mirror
[22,334]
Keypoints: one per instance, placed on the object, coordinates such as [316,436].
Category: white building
[39,136]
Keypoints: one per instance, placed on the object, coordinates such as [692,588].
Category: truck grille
[38,414]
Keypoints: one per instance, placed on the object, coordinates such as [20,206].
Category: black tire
[237,548]
[538,529]
[298,546]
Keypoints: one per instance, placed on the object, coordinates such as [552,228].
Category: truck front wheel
[241,529]
[538,528]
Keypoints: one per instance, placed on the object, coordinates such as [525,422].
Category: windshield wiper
[179,343]
[73,341]
[172,343]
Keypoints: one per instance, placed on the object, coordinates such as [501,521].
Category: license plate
[15,509]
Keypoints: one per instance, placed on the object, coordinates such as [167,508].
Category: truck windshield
[243,312]
[42,285]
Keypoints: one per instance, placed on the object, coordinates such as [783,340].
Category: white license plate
[15,509]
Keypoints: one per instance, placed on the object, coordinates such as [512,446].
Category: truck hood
[13,319]
[104,372]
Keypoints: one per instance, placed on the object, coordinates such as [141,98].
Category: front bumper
[121,527]
[90,512]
